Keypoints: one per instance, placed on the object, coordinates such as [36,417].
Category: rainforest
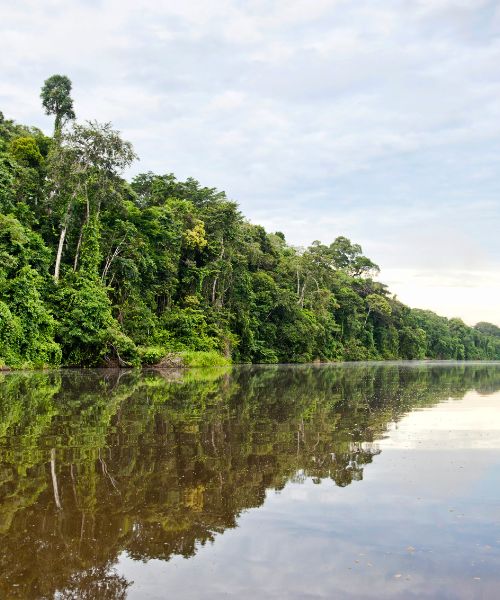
[96,270]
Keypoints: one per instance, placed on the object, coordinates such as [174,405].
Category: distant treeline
[95,270]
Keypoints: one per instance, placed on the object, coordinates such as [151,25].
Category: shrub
[151,355]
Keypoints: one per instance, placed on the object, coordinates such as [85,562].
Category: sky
[379,121]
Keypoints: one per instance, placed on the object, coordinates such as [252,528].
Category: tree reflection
[94,464]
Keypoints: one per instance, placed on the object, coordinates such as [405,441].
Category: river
[314,481]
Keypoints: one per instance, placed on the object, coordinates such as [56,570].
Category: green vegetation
[203,359]
[95,270]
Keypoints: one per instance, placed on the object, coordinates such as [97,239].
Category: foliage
[26,151]
[203,359]
[151,355]
[96,271]
[56,99]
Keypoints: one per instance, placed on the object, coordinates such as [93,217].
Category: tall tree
[86,165]
[56,99]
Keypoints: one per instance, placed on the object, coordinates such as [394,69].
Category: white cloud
[379,121]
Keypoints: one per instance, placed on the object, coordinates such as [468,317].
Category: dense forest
[96,270]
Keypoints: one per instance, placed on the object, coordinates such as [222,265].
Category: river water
[324,481]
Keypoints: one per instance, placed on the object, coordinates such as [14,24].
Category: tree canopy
[98,270]
[56,99]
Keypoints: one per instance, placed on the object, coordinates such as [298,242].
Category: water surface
[347,481]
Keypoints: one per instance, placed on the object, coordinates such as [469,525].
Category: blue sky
[375,120]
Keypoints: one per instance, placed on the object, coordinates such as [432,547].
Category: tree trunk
[62,237]
[214,290]
[302,294]
[77,253]
[59,251]
[109,261]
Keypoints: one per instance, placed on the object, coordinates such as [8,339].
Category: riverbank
[181,361]
[150,357]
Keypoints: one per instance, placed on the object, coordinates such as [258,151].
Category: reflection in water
[155,464]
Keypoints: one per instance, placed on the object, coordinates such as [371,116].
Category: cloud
[379,121]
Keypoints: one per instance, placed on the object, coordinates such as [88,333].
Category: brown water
[353,481]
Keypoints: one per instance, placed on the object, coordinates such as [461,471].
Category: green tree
[158,265]
[56,99]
